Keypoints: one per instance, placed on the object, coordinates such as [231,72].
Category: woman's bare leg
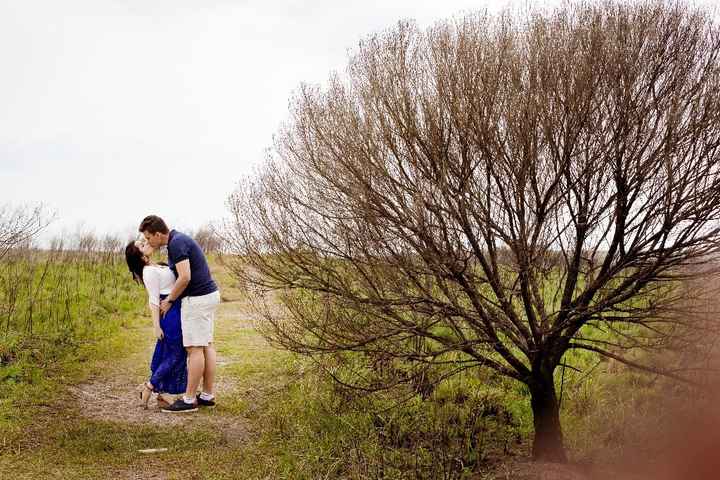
[145,393]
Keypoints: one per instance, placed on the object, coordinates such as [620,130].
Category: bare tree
[208,239]
[18,225]
[495,192]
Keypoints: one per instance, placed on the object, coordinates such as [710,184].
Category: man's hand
[159,334]
[165,306]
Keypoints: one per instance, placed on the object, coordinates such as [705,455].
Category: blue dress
[169,362]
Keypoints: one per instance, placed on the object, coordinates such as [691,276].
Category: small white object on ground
[153,450]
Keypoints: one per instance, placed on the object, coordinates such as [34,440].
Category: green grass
[89,449]
[44,435]
[60,312]
[310,429]
[301,425]
[50,438]
[46,369]
[80,442]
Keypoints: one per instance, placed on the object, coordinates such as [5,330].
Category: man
[200,297]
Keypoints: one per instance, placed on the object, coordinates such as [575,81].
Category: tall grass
[49,293]
[314,429]
[56,306]
[455,429]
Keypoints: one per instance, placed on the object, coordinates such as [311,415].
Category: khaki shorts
[197,319]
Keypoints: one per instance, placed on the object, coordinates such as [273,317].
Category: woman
[168,366]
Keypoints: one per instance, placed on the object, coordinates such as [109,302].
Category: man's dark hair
[153,224]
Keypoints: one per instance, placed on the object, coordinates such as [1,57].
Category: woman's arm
[155,313]
[152,285]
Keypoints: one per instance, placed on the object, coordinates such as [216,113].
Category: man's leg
[210,304]
[209,371]
[196,365]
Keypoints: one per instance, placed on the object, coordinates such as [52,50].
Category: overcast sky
[114,109]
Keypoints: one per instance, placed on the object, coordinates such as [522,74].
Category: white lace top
[158,280]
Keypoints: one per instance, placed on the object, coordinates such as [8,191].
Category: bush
[315,429]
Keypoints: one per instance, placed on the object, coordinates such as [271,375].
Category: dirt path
[114,395]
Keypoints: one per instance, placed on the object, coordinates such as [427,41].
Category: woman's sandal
[145,393]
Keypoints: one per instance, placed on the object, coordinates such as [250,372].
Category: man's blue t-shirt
[181,247]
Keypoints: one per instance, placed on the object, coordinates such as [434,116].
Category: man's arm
[183,271]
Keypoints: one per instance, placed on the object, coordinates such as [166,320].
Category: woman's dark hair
[135,260]
[153,224]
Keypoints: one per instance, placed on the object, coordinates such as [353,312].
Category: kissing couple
[183,298]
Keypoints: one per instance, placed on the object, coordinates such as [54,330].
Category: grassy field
[68,407]
[69,394]
[76,417]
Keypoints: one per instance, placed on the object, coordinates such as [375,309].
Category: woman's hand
[159,334]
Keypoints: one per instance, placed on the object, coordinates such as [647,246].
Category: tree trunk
[548,444]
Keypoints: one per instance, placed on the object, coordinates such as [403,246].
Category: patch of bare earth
[523,468]
[115,395]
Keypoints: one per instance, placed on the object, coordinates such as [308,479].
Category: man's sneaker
[205,403]
[180,407]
